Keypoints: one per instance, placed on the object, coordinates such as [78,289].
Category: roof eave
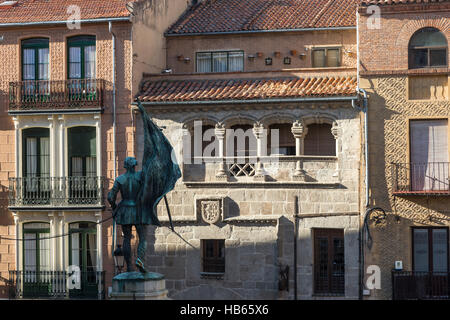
[167,34]
[38,23]
[250,101]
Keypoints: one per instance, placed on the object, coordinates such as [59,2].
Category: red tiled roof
[245,89]
[252,15]
[387,2]
[56,10]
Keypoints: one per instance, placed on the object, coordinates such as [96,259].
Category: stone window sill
[212,275]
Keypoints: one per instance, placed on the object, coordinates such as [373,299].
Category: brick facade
[385,77]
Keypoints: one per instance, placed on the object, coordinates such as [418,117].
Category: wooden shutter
[286,139]
[319,141]
[329,262]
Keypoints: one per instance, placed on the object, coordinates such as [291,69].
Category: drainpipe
[296,217]
[114,120]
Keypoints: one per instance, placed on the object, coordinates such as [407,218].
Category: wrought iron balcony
[45,192]
[421,178]
[56,285]
[53,95]
[408,285]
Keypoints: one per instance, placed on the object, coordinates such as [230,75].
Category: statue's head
[129,163]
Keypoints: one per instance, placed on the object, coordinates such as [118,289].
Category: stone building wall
[257,222]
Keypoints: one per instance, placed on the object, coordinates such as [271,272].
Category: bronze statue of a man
[127,212]
[142,191]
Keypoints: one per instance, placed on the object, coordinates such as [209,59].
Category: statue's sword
[168,213]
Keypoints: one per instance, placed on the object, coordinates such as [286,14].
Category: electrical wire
[52,237]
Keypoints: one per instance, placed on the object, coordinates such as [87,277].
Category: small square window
[213,256]
[326,57]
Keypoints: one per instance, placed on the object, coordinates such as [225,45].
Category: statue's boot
[140,265]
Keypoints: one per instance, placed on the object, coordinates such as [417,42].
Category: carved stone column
[335,131]
[221,173]
[299,132]
[260,133]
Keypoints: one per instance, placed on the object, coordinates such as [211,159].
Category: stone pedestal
[139,286]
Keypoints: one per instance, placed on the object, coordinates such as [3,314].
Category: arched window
[428,48]
[319,141]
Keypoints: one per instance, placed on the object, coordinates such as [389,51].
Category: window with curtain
[319,141]
[220,61]
[326,57]
[81,57]
[82,158]
[35,66]
[83,245]
[36,248]
[427,48]
[36,161]
[286,142]
[82,151]
[430,249]
[429,167]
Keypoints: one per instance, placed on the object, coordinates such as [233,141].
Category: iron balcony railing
[430,178]
[409,285]
[56,94]
[56,191]
[56,285]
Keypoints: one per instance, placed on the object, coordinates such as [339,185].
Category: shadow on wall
[392,239]
[253,254]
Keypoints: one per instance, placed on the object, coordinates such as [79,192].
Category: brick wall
[10,71]
[384,52]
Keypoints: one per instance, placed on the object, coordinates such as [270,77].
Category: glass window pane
[45,156]
[438,57]
[333,58]
[30,246]
[440,254]
[318,58]
[44,252]
[418,58]
[428,37]
[89,60]
[219,61]
[236,61]
[204,62]
[421,253]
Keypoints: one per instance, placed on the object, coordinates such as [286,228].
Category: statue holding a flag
[141,191]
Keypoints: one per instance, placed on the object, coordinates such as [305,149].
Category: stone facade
[256,218]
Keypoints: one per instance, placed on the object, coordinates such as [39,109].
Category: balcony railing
[32,95]
[56,285]
[421,178]
[56,192]
[407,285]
